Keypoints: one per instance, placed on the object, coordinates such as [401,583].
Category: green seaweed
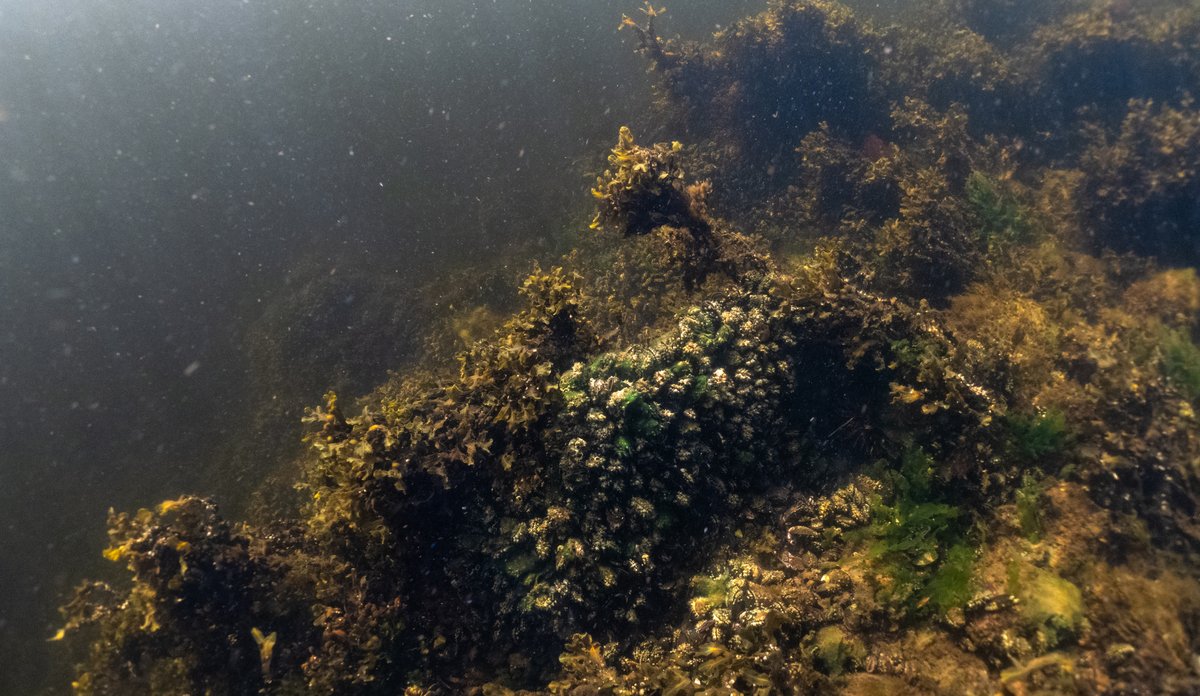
[1040,436]
[910,353]
[641,416]
[1002,220]
[918,541]
[1181,363]
[952,584]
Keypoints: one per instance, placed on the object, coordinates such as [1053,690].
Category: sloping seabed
[881,378]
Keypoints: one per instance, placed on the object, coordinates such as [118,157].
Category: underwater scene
[616,348]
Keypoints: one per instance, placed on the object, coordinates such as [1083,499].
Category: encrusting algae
[869,390]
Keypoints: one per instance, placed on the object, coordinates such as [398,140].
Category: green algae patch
[1002,220]
[835,652]
[1051,606]
[1038,436]
[710,592]
[951,584]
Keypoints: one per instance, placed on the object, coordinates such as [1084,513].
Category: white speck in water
[191,369]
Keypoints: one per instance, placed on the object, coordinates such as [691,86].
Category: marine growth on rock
[874,381]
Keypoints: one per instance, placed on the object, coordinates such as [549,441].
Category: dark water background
[165,164]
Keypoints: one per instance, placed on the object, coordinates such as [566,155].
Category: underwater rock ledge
[883,394]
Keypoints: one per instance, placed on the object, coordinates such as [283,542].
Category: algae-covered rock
[1090,64]
[1141,189]
[1005,22]
[772,78]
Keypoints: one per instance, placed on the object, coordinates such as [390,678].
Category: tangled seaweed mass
[886,382]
